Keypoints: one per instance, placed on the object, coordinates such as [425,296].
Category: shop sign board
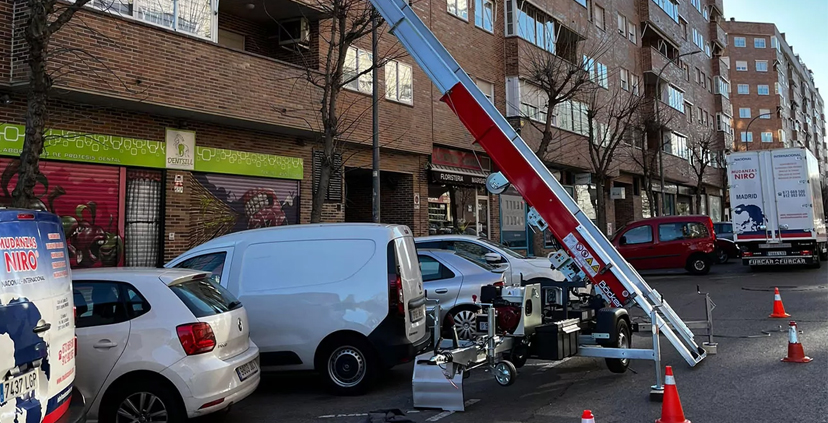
[124,151]
[450,178]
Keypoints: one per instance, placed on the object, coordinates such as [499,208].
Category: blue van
[37,321]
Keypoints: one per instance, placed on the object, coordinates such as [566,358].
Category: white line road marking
[448,413]
[333,416]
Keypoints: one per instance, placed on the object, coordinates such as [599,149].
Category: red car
[669,242]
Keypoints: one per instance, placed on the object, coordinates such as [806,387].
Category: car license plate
[18,386]
[246,370]
[776,253]
[417,314]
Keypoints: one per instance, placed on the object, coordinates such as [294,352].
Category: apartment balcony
[658,20]
[718,7]
[719,37]
[136,65]
[653,61]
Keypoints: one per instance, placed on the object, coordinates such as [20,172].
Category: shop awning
[443,174]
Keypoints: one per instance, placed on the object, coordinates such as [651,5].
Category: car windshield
[475,259]
[504,248]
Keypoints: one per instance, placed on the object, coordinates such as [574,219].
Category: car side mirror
[501,268]
[493,258]
[622,241]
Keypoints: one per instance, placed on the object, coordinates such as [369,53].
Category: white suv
[160,345]
[529,270]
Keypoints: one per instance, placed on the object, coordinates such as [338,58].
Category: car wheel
[465,321]
[721,256]
[623,340]
[143,401]
[348,365]
[699,265]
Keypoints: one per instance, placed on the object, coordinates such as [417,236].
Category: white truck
[776,207]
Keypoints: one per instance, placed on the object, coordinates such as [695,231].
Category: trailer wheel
[505,373]
[519,355]
[623,340]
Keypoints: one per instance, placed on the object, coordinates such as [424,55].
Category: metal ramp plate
[432,389]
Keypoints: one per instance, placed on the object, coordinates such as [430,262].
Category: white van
[344,299]
[37,321]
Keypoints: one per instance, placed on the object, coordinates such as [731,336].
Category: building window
[193,17]
[572,116]
[355,73]
[763,89]
[398,82]
[675,98]
[739,42]
[722,87]
[767,136]
[703,80]
[625,79]
[709,84]
[622,25]
[761,66]
[683,25]
[632,33]
[744,112]
[487,88]
[741,65]
[708,50]
[676,144]
[459,8]
[598,17]
[758,43]
[484,14]
[782,136]
[636,83]
[603,76]
[686,68]
[747,136]
[670,7]
[743,89]
[764,114]
[724,123]
[696,4]
[597,71]
[582,2]
[706,15]
[698,38]
[775,43]
[533,102]
[534,26]
[688,106]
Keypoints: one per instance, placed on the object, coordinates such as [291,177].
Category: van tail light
[196,338]
[396,297]
[747,254]
[711,227]
[806,252]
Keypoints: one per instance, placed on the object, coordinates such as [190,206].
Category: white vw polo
[160,345]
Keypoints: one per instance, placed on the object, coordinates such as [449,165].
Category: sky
[804,22]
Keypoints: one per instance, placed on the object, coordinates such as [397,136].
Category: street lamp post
[747,129]
[658,121]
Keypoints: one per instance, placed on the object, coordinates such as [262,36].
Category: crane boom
[551,206]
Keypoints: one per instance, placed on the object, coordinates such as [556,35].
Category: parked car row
[192,338]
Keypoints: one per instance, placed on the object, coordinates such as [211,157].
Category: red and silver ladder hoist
[591,255]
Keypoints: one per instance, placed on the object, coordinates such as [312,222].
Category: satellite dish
[496,183]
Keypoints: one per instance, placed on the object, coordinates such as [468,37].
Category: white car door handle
[441,290]
[105,344]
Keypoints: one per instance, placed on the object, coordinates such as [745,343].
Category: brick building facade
[232,78]
[773,92]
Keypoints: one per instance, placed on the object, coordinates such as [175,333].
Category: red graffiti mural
[86,199]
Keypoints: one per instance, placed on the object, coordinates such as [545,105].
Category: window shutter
[335,186]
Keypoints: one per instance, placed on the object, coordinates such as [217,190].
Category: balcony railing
[718,34]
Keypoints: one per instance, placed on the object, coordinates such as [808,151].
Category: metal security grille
[143,217]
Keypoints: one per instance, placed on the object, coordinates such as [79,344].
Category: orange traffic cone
[671,411]
[778,308]
[587,417]
[795,352]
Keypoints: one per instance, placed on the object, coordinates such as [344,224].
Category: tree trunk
[325,172]
[39,83]
[698,201]
[601,204]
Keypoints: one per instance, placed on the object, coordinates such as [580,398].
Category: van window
[681,230]
[213,263]
[204,297]
[639,235]
[433,270]
[277,265]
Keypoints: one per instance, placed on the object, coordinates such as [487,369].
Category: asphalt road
[744,382]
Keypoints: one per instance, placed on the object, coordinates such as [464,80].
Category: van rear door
[414,299]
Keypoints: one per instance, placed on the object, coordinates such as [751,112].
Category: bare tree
[703,154]
[335,70]
[649,142]
[45,19]
[612,116]
[560,71]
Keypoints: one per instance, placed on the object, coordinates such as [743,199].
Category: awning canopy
[443,174]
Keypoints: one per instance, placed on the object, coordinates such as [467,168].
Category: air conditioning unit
[294,33]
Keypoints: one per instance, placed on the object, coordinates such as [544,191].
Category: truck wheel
[699,264]
[623,340]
